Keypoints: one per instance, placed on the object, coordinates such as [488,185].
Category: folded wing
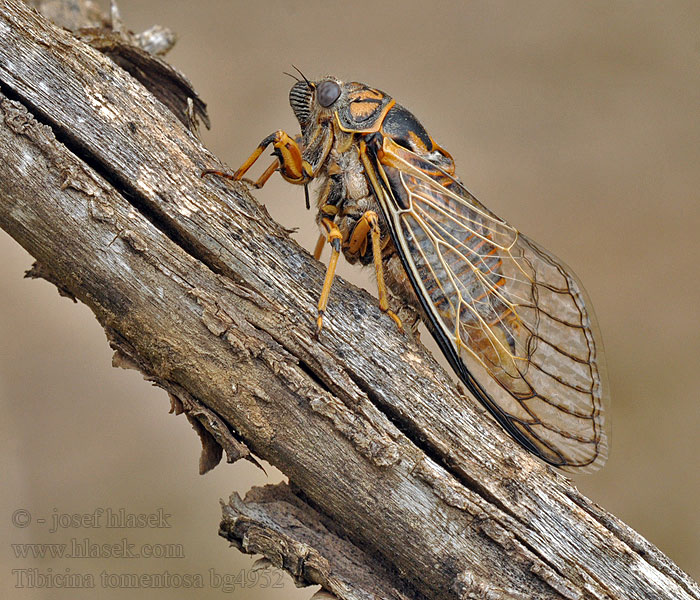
[500,304]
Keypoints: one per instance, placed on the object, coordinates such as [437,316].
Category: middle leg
[368,225]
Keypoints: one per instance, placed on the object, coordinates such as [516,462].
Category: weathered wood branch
[400,488]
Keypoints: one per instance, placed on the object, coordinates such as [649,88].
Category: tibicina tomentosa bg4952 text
[498,305]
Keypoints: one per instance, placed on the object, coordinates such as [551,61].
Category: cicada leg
[288,162]
[368,224]
[334,239]
[328,211]
[318,250]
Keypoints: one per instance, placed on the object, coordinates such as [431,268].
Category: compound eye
[327,92]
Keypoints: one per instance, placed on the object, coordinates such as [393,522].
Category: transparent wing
[499,303]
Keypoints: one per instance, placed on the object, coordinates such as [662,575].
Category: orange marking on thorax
[376,125]
[417,142]
[367,94]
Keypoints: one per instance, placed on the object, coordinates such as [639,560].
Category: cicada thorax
[362,109]
[345,194]
[346,197]
[363,113]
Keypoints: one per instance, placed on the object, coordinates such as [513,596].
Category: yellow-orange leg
[334,239]
[288,161]
[369,224]
[318,250]
[328,211]
[375,233]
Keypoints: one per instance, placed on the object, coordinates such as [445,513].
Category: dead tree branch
[400,488]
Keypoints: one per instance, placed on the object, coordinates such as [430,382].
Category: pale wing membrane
[506,304]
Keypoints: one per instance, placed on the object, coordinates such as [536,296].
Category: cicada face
[499,306]
[312,102]
[354,106]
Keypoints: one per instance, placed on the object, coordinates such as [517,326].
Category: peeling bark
[275,522]
[401,488]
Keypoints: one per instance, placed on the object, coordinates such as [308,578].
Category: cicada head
[356,107]
[313,102]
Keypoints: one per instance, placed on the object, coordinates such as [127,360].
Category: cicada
[511,319]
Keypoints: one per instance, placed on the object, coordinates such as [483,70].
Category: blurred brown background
[576,121]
